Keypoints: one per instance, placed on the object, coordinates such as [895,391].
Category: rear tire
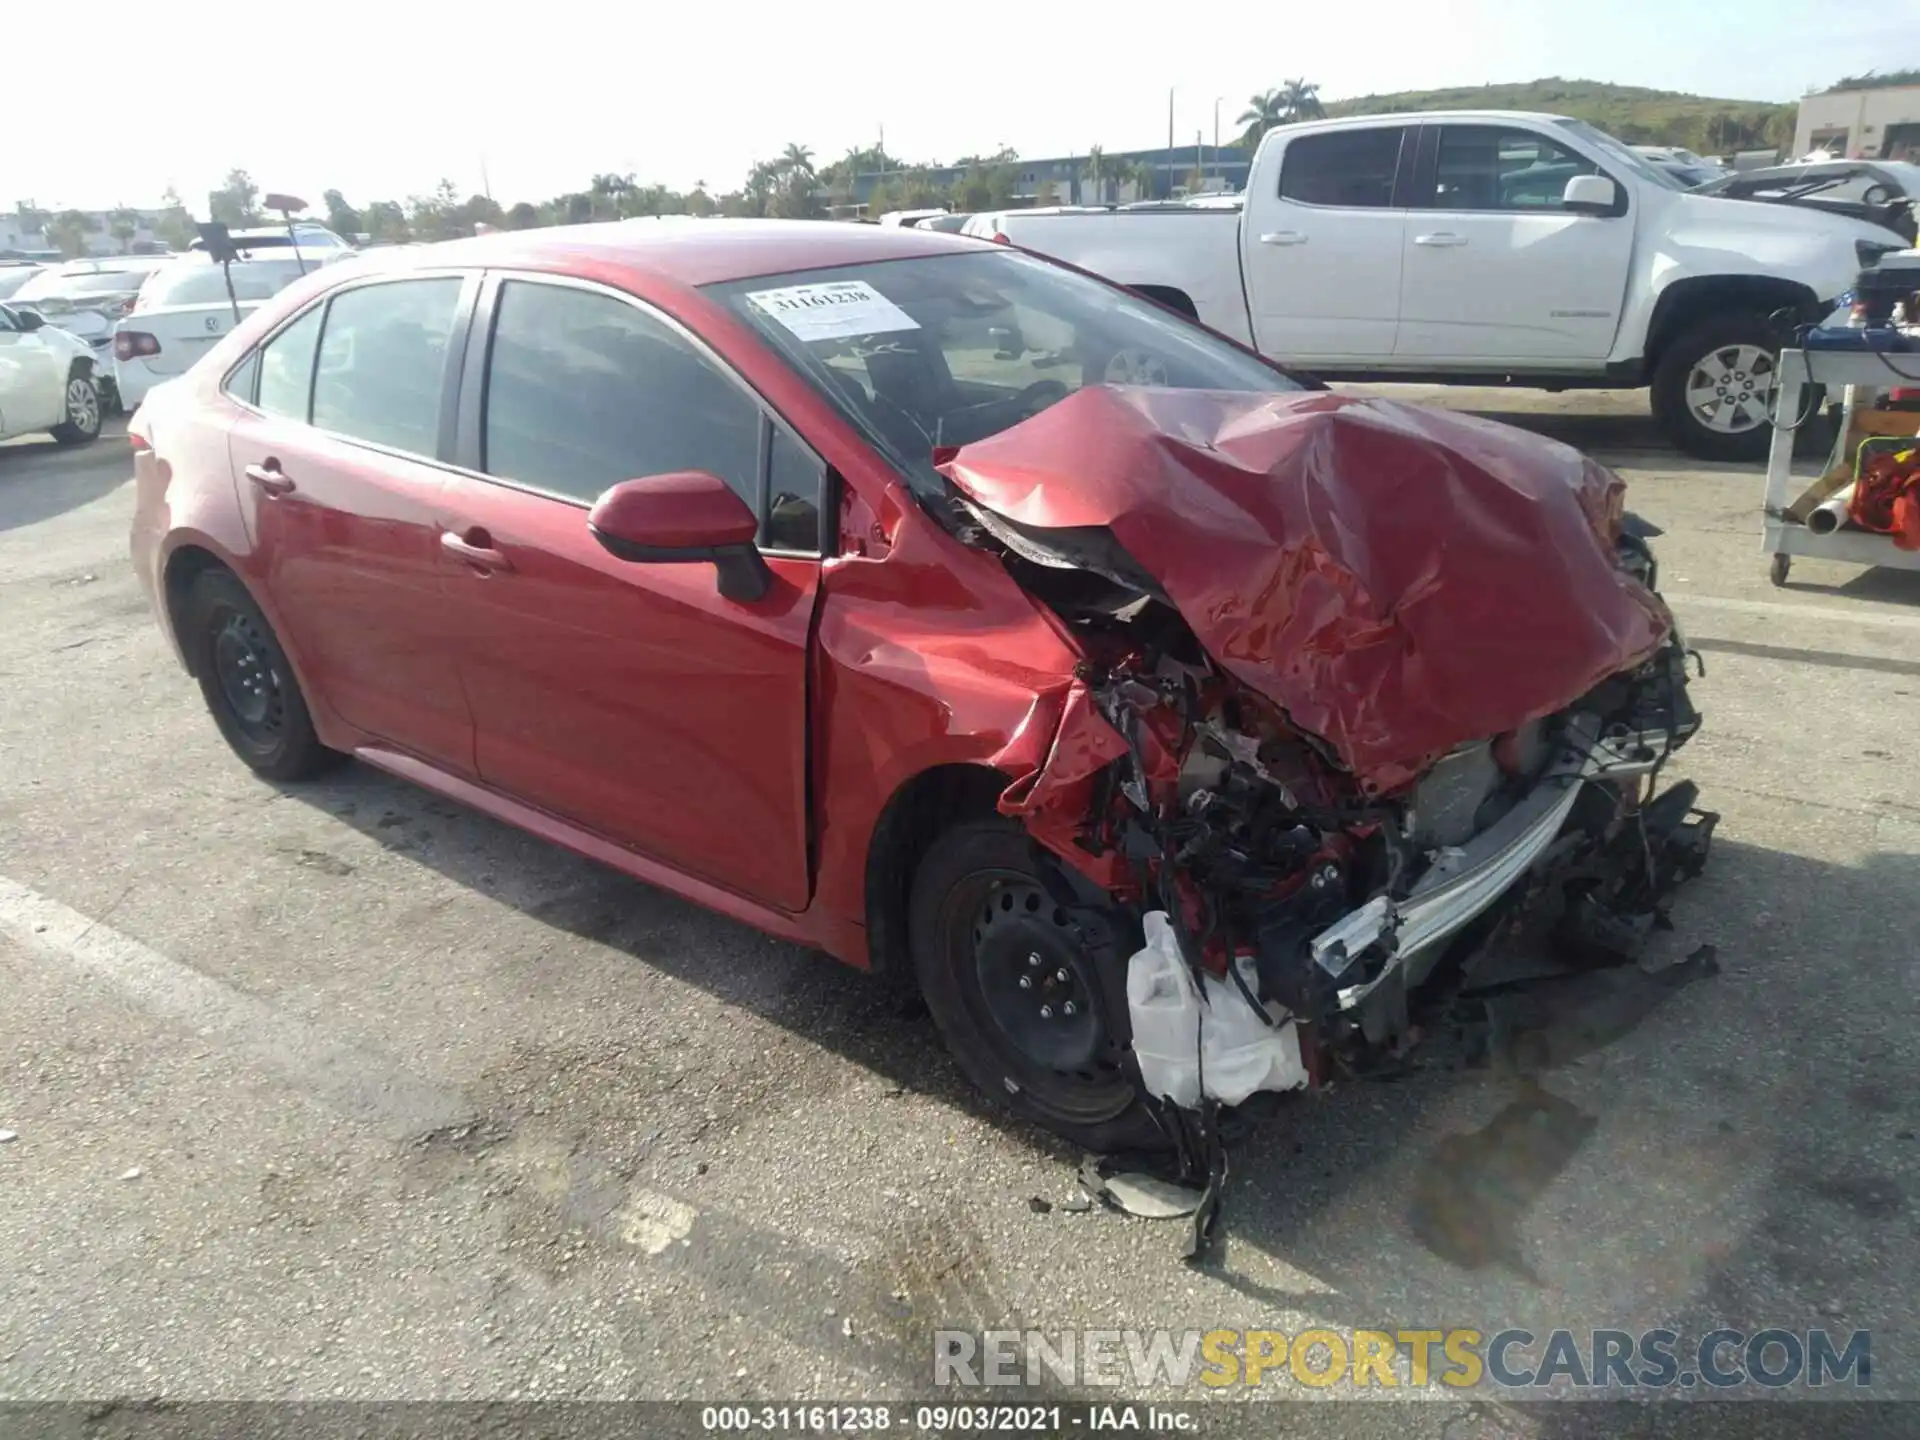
[1714,386]
[981,921]
[82,425]
[247,682]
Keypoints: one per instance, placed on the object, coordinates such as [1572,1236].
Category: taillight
[130,304]
[139,442]
[1000,236]
[132,344]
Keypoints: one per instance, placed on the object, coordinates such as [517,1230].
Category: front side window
[382,362]
[1485,167]
[1352,169]
[943,350]
[585,390]
[286,368]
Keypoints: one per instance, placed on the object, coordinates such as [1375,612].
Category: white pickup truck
[1486,247]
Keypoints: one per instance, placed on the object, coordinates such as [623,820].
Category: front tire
[1028,993]
[248,685]
[1714,387]
[82,425]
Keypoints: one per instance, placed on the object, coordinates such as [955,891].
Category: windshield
[1621,155]
[944,350]
[189,283]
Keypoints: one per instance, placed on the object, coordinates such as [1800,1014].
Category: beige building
[1862,124]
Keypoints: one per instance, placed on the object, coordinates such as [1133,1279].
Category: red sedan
[944,608]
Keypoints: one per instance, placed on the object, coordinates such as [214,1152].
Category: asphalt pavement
[339,1090]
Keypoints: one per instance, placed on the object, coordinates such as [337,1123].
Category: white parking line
[357,1083]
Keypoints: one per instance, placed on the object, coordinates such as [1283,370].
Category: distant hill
[1634,113]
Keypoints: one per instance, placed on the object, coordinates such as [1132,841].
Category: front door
[334,465]
[1323,254]
[632,699]
[1496,269]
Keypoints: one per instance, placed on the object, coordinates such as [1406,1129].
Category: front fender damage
[1305,901]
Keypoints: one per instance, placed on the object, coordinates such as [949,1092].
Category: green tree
[236,202]
[1146,179]
[523,216]
[797,157]
[699,202]
[31,217]
[122,225]
[176,225]
[973,190]
[1043,192]
[1301,99]
[342,218]
[69,230]
[1100,172]
[609,192]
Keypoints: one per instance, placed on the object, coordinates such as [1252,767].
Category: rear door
[631,699]
[336,465]
[1322,253]
[1496,268]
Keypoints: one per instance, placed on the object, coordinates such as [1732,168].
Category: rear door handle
[1283,237]
[1440,239]
[476,548]
[270,478]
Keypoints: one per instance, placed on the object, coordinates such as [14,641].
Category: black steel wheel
[247,682]
[1028,992]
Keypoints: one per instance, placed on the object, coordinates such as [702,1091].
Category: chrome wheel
[83,405]
[1730,390]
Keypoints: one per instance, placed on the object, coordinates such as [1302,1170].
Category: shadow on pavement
[40,479]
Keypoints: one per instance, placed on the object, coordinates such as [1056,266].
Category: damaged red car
[1175,724]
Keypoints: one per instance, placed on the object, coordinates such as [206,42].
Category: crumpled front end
[1362,685]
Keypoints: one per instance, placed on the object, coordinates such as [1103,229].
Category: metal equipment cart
[1857,371]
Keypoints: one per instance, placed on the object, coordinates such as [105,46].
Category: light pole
[1216,129]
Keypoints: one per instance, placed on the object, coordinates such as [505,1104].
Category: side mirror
[29,320]
[1591,195]
[687,515]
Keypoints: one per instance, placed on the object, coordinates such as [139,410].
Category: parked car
[46,380]
[1487,247]
[946,221]
[12,277]
[813,573]
[86,298]
[184,308]
[895,218]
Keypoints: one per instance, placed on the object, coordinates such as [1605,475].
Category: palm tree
[1145,179]
[1302,101]
[1263,112]
[797,157]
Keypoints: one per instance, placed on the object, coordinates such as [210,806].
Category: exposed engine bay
[1306,869]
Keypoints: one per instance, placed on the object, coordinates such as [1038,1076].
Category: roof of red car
[698,252]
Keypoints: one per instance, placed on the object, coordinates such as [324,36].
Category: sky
[382,100]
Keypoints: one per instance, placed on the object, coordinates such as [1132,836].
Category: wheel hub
[1034,978]
[1730,390]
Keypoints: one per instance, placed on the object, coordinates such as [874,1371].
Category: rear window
[190,284]
[1350,168]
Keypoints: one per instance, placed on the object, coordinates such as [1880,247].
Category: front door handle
[475,547]
[270,478]
[1440,239]
[1283,237]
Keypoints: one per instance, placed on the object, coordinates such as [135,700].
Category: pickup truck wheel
[1018,994]
[1713,388]
[82,424]
[247,682]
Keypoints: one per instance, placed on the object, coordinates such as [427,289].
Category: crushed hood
[1398,580]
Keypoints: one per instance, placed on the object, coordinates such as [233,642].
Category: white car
[309,235]
[184,309]
[46,380]
[1486,247]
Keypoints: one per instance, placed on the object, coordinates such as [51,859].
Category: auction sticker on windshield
[832,310]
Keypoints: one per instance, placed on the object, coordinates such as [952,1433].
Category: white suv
[46,380]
